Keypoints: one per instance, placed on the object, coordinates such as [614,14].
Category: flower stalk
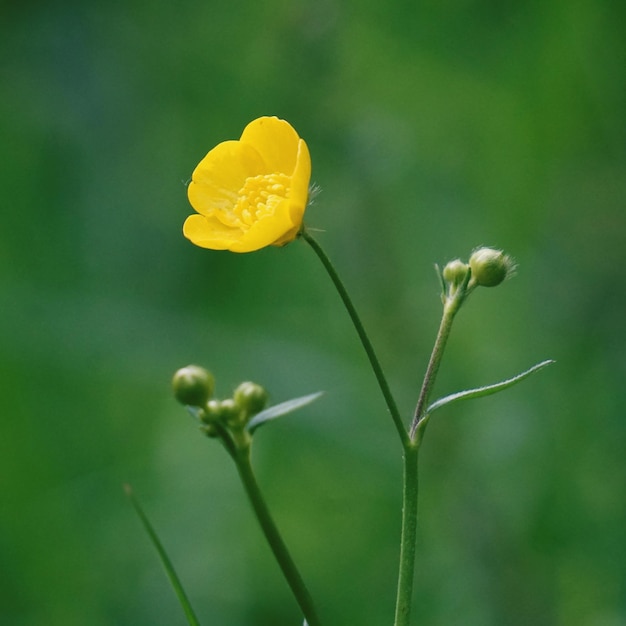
[408,535]
[361,332]
[455,293]
[273,536]
[410,447]
[451,306]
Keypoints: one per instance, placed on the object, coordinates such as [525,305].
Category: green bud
[490,267]
[229,411]
[455,272]
[211,412]
[251,398]
[216,412]
[193,385]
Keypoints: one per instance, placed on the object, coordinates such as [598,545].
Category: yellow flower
[250,193]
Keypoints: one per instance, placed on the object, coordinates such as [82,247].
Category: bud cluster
[193,386]
[487,267]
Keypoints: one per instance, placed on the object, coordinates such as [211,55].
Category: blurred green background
[434,127]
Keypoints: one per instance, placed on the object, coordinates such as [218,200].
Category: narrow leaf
[165,560]
[487,390]
[281,409]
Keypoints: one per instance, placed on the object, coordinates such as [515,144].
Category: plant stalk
[408,537]
[450,309]
[452,304]
[274,538]
[360,329]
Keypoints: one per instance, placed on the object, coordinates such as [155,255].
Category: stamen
[256,199]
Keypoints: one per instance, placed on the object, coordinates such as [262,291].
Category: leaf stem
[360,329]
[273,537]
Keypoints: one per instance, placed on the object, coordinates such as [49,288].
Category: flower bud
[229,412]
[211,412]
[490,267]
[193,385]
[251,398]
[455,272]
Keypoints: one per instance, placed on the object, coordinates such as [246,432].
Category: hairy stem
[408,537]
[433,367]
[452,303]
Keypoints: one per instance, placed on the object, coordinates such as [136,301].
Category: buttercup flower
[250,193]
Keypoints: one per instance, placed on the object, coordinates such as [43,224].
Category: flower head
[250,193]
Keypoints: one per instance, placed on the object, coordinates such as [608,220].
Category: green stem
[360,329]
[273,537]
[408,536]
[452,303]
[450,309]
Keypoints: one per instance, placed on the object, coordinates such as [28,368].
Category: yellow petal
[207,232]
[298,193]
[275,140]
[267,230]
[217,179]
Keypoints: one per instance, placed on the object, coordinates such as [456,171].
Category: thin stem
[360,329]
[165,559]
[450,309]
[452,303]
[408,537]
[274,539]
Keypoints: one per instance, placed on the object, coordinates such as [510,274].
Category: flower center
[257,199]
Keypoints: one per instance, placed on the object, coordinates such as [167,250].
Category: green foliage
[487,390]
[433,127]
[164,557]
[278,410]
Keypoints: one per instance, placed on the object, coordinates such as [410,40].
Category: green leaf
[487,390]
[165,560]
[281,409]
